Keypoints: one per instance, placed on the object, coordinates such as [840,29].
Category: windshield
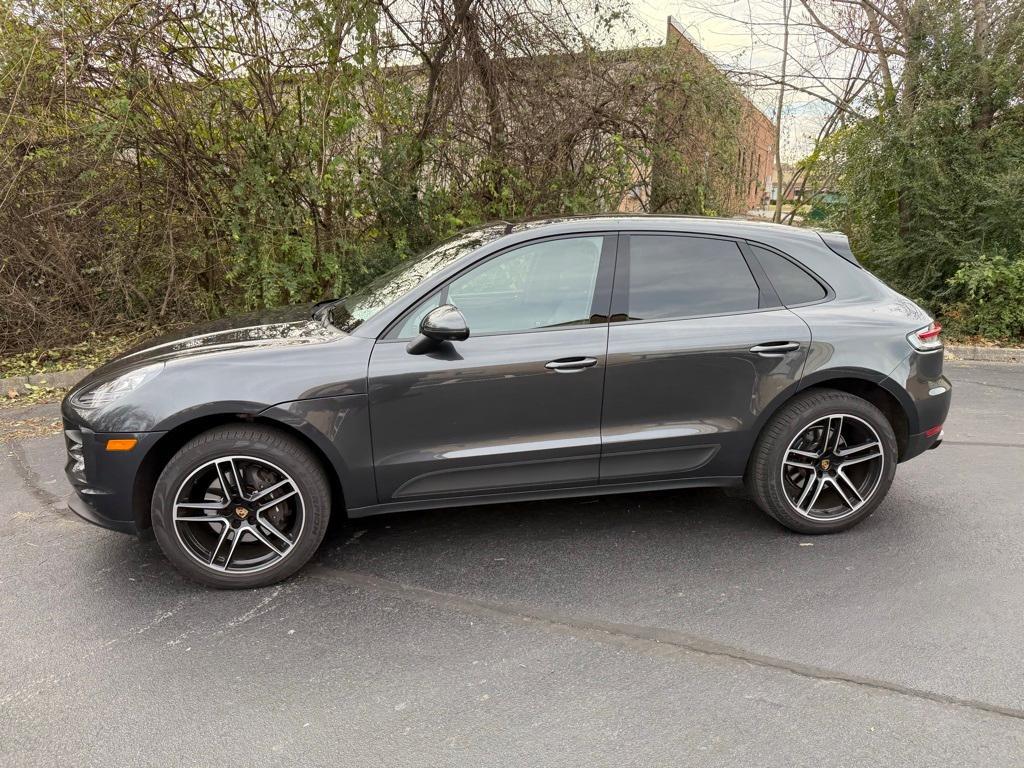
[353,310]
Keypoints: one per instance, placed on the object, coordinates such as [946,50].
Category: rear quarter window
[792,283]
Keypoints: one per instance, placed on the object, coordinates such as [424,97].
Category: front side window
[671,276]
[549,284]
[410,326]
[350,312]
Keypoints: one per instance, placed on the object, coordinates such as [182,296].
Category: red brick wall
[756,154]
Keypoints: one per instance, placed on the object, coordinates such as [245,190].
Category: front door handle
[775,348]
[571,364]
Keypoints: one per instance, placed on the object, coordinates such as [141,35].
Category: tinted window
[687,276]
[543,285]
[793,285]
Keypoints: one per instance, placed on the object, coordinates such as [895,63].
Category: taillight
[926,339]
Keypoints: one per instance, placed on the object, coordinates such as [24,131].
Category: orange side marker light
[122,444]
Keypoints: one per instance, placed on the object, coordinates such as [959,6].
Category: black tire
[778,487]
[252,449]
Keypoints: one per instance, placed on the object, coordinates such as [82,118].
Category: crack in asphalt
[983,444]
[986,384]
[31,478]
[642,638]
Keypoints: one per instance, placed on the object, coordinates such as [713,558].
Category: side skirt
[552,493]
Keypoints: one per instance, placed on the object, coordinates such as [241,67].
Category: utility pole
[787,6]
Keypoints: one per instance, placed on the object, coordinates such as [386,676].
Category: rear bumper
[918,444]
[930,395]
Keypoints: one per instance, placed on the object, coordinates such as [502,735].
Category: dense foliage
[932,184]
[164,162]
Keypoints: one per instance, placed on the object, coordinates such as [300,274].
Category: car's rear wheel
[241,506]
[824,462]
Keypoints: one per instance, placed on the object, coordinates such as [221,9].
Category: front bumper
[85,509]
[104,481]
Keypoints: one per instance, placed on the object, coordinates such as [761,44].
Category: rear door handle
[775,348]
[571,364]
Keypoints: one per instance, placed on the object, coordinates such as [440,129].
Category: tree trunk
[983,84]
[497,137]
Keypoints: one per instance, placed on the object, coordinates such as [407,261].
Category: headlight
[106,392]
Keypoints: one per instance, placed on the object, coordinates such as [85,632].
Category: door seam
[607,344]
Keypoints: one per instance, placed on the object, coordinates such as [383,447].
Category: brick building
[753,168]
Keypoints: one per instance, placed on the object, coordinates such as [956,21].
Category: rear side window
[672,276]
[793,285]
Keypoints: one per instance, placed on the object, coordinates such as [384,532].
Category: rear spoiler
[839,244]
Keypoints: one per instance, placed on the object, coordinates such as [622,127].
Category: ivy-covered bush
[931,180]
[987,298]
[166,162]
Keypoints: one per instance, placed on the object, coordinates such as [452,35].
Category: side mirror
[444,323]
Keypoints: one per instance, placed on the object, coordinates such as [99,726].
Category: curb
[22,384]
[985,354]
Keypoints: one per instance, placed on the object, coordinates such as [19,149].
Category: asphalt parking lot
[679,628]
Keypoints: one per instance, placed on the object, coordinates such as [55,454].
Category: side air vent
[76,455]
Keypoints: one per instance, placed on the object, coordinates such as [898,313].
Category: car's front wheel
[824,462]
[241,506]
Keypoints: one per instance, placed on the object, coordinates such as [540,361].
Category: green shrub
[165,163]
[989,297]
[930,182]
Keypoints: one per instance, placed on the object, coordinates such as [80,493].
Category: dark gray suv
[514,362]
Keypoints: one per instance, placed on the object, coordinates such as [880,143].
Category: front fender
[243,382]
[340,428]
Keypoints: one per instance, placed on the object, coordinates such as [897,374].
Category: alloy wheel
[238,514]
[832,467]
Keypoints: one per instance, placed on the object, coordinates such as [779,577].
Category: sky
[746,35]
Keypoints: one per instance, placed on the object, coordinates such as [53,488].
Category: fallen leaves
[22,429]
[96,349]
[32,395]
